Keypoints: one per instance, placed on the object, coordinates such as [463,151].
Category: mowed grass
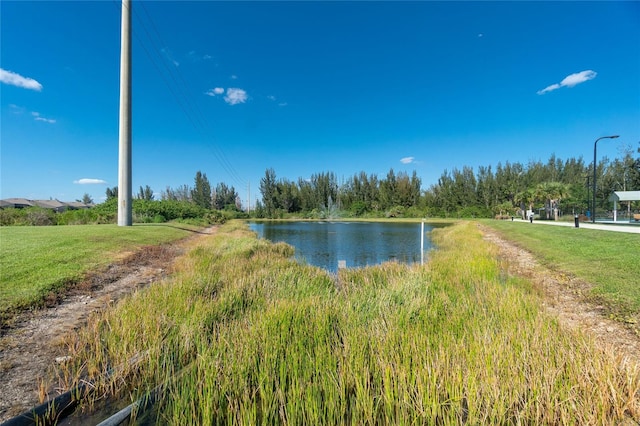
[608,260]
[35,261]
[241,334]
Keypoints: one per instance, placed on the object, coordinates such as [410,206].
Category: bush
[29,216]
[12,217]
[474,212]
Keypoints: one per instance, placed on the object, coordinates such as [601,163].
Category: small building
[622,196]
[55,205]
[16,203]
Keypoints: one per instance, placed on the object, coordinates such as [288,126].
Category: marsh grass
[241,334]
[38,261]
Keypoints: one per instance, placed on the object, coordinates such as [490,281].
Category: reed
[241,334]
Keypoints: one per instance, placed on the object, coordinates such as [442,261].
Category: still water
[360,244]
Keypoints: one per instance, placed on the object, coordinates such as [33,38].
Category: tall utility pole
[124,157]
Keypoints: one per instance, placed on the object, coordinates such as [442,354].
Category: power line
[197,115]
[179,90]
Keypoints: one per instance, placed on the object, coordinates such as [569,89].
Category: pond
[358,244]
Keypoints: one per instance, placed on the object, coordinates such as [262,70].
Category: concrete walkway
[629,228]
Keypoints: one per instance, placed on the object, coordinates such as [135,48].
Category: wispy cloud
[169,56]
[570,81]
[38,117]
[235,96]
[88,181]
[9,77]
[195,57]
[407,160]
[215,91]
[234,77]
[17,109]
[273,98]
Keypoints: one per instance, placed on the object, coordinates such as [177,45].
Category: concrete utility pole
[124,157]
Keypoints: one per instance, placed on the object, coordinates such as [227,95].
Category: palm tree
[552,193]
[527,197]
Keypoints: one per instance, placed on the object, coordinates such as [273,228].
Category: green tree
[86,199]
[224,198]
[201,193]
[112,193]
[552,193]
[269,191]
[145,193]
[288,196]
[526,200]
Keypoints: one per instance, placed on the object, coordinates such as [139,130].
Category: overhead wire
[179,90]
[200,116]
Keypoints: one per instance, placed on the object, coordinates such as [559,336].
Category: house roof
[46,204]
[50,204]
[12,202]
[625,196]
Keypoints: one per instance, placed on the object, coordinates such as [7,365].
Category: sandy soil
[30,348]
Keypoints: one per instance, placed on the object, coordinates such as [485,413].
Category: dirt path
[566,297]
[33,344]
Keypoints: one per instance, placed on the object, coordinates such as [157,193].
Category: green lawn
[37,260]
[608,260]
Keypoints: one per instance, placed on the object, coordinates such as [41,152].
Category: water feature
[359,244]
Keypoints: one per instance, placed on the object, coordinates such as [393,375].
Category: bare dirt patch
[569,299]
[33,343]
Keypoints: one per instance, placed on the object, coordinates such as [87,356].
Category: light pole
[593,210]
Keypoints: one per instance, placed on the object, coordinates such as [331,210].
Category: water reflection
[358,243]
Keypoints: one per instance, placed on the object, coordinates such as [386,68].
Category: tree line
[553,187]
[220,197]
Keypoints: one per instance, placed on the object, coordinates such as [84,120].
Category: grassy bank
[608,260]
[243,335]
[35,261]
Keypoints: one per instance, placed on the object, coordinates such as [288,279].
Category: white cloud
[407,160]
[38,117]
[570,81]
[283,104]
[234,77]
[207,57]
[271,98]
[577,78]
[87,181]
[14,79]
[235,96]
[215,91]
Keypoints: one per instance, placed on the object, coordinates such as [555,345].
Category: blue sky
[233,88]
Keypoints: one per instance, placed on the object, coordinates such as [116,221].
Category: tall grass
[243,335]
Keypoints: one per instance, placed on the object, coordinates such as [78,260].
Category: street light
[593,212]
